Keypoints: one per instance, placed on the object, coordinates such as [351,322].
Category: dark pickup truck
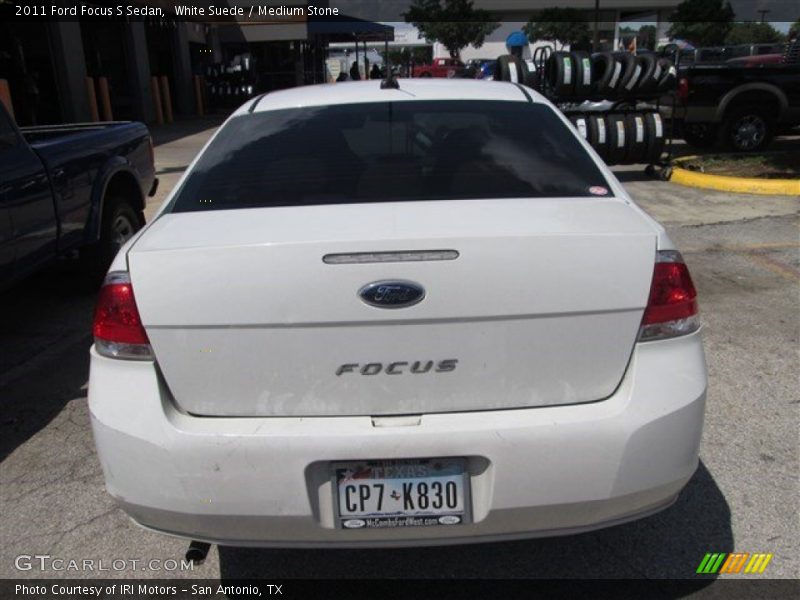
[67,188]
[739,104]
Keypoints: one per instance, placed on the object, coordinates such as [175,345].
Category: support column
[70,70]
[299,70]
[139,71]
[662,25]
[183,84]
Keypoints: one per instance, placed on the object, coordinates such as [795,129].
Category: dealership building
[152,68]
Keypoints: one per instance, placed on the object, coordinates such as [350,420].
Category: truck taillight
[683,89]
[672,306]
[118,329]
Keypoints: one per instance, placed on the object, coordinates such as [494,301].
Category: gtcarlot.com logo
[734,563]
[46,562]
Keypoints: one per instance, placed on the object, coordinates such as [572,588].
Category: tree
[753,33]
[794,30]
[647,37]
[563,25]
[453,23]
[702,22]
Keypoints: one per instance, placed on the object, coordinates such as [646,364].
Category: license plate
[401,493]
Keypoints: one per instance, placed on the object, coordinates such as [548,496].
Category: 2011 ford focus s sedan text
[376,317]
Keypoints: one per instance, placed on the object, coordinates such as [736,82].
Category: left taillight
[118,330]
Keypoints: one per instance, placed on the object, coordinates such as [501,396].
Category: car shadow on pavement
[181,128]
[45,334]
[670,544]
[633,174]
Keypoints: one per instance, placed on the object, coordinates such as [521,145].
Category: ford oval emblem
[392,294]
[354,523]
[450,520]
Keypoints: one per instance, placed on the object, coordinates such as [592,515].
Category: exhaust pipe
[197,552]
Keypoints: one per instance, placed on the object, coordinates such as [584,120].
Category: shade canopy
[349,29]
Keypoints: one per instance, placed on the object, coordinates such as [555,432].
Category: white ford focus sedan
[376,317]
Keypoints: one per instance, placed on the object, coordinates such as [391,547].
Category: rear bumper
[533,472]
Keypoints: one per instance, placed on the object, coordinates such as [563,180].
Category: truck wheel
[747,129]
[120,222]
[700,135]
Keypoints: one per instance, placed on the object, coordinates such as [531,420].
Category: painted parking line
[774,265]
[743,248]
[757,253]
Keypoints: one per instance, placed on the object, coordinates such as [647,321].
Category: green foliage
[647,37]
[794,30]
[403,56]
[563,25]
[453,23]
[702,22]
[753,33]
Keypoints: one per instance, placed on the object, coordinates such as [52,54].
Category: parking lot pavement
[744,254]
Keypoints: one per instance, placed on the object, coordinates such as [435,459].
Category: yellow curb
[739,185]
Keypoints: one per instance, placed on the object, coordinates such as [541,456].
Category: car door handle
[27,184]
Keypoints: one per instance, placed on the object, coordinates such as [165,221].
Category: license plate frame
[453,468]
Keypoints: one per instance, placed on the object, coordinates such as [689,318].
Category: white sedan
[376,317]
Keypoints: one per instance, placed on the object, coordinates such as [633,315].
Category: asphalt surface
[744,254]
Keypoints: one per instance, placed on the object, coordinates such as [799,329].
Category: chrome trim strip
[358,258]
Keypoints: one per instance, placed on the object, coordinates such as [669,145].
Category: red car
[440,67]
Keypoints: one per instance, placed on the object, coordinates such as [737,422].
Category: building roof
[357,92]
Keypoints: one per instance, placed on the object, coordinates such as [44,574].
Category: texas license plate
[401,493]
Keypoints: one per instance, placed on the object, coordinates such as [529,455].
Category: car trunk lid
[537,303]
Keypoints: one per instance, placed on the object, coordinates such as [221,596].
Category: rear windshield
[390,152]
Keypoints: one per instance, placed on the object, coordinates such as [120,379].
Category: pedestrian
[375,72]
[354,74]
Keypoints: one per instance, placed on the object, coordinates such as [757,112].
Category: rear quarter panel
[80,166]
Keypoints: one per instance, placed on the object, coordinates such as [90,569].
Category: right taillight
[683,89]
[672,306]
[118,329]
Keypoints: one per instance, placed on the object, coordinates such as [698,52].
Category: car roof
[359,92]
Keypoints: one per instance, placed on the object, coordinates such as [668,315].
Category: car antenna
[389,82]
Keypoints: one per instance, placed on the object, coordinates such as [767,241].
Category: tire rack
[542,53]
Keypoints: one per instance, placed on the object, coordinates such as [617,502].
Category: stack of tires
[623,138]
[610,75]
[620,138]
